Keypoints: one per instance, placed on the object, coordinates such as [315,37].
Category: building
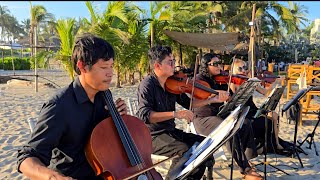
[315,32]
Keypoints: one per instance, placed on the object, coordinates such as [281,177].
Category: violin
[267,78]
[223,78]
[180,83]
[119,147]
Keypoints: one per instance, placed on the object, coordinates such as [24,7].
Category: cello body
[105,151]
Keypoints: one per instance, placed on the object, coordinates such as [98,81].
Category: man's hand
[58,176]
[121,106]
[184,114]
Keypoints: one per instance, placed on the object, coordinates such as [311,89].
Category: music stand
[311,135]
[295,100]
[240,97]
[193,158]
[268,106]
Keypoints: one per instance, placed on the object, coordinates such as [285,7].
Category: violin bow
[193,83]
[231,70]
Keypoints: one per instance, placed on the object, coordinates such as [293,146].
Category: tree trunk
[180,50]
[31,40]
[131,78]
[118,77]
[140,76]
[2,59]
[151,43]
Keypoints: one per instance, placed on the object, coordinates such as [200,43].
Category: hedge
[19,63]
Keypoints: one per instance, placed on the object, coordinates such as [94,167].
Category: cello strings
[124,130]
[138,159]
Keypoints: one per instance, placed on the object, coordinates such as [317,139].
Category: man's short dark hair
[89,49]
[158,53]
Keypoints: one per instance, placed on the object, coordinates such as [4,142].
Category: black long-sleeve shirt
[152,97]
[60,135]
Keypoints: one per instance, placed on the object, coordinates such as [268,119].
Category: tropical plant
[65,29]
[38,14]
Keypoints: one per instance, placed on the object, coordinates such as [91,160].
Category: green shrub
[19,63]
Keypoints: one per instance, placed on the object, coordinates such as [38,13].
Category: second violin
[180,83]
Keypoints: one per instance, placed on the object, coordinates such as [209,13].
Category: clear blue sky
[63,9]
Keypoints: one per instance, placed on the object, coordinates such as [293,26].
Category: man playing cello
[56,147]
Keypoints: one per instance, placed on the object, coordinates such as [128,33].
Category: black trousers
[178,142]
[244,146]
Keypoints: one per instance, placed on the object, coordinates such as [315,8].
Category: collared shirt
[152,97]
[64,125]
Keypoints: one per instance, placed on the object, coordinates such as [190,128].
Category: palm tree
[4,15]
[65,29]
[157,8]
[111,26]
[297,17]
[26,25]
[38,14]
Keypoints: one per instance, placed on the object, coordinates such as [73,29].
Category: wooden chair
[293,74]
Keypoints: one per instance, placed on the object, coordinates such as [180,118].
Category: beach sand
[19,102]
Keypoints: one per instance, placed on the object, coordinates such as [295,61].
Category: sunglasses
[170,63]
[215,63]
[243,68]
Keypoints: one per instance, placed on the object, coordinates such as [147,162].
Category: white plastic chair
[133,108]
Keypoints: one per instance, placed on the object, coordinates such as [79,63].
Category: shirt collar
[79,91]
[154,78]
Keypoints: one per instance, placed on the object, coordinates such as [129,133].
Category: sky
[64,9]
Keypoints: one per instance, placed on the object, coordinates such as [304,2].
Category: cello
[119,147]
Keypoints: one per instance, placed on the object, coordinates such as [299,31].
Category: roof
[215,41]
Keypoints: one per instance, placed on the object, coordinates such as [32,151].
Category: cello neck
[124,134]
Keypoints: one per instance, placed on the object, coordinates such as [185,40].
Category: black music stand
[193,158]
[311,135]
[295,101]
[268,106]
[241,96]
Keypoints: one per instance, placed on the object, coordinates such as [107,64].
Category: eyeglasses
[215,63]
[243,68]
[170,62]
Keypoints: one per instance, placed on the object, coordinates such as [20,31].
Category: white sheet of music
[211,141]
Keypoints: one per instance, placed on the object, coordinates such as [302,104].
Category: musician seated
[206,119]
[55,149]
[258,124]
[157,108]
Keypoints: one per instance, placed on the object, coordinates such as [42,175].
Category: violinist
[258,123]
[157,110]
[206,120]
[55,149]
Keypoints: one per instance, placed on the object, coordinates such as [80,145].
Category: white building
[315,32]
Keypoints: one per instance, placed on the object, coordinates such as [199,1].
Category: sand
[19,102]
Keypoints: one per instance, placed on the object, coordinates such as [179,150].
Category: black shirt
[152,97]
[64,125]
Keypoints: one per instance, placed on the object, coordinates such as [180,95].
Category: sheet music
[241,96]
[271,101]
[211,141]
